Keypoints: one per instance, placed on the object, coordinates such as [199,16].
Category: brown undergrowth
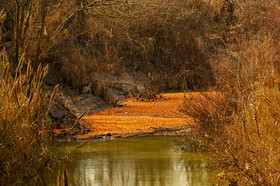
[78,38]
[241,126]
[24,152]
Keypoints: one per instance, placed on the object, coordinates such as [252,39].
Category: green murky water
[133,161]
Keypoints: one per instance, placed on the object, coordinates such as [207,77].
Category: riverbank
[139,117]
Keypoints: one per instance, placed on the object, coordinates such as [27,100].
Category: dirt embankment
[102,92]
[111,106]
[137,117]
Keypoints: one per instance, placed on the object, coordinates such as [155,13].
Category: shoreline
[135,117]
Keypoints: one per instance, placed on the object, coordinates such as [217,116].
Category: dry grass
[23,124]
[81,37]
[243,128]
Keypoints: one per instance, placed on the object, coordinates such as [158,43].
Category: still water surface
[147,161]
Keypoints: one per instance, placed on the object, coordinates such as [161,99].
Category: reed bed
[24,152]
[241,123]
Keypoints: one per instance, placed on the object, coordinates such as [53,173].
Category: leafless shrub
[243,111]
[79,37]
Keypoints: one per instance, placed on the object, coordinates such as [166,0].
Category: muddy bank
[102,92]
[160,131]
[136,117]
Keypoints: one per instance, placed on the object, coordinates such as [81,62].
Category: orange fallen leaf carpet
[138,117]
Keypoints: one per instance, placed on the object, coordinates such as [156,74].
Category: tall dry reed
[241,120]
[24,152]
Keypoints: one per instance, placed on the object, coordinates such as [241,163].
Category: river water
[147,161]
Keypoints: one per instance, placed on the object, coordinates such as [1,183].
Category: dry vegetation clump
[24,152]
[242,122]
[78,38]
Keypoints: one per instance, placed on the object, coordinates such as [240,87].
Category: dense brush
[23,123]
[241,119]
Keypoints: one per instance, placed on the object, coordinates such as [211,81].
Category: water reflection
[135,161]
